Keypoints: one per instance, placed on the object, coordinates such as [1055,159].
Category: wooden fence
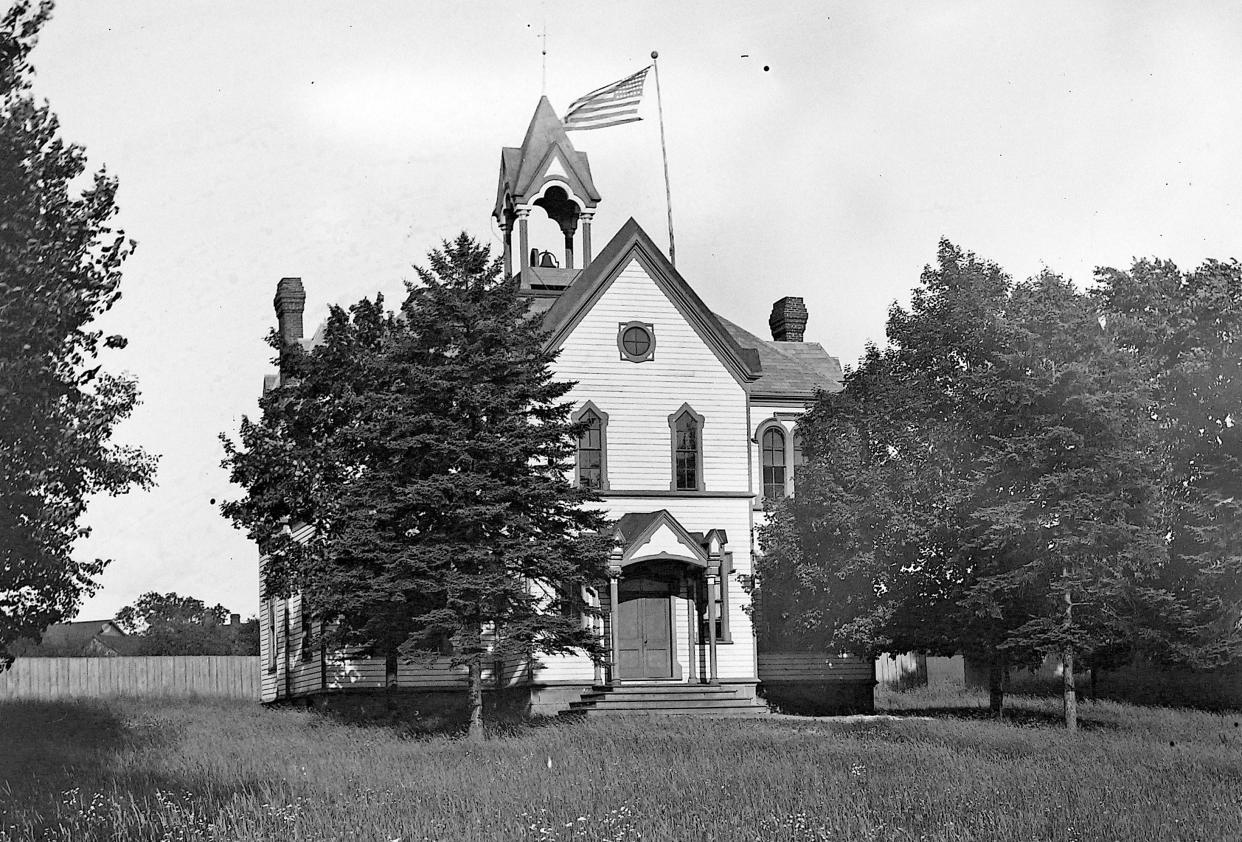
[901,672]
[781,667]
[896,672]
[226,676]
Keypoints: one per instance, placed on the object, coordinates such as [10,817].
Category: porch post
[712,577]
[614,575]
[692,632]
[597,627]
[523,239]
[586,217]
[506,230]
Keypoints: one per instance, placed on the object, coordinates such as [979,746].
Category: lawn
[200,770]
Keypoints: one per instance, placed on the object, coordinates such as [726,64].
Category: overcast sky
[816,149]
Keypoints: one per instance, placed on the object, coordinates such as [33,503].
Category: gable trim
[695,555]
[631,243]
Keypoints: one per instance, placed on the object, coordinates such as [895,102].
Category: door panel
[630,639]
[644,638]
[657,638]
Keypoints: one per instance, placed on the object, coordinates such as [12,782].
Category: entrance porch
[662,613]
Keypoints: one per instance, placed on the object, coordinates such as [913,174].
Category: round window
[636,341]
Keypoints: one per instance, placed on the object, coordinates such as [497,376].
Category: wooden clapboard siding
[776,667]
[563,668]
[232,676]
[639,397]
[901,671]
[431,673]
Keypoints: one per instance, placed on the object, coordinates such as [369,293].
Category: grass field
[147,770]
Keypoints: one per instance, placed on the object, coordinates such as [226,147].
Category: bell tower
[547,175]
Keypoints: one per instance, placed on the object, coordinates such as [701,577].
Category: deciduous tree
[60,268]
[171,624]
[1009,478]
[1186,331]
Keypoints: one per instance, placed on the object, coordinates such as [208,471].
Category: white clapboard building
[692,425]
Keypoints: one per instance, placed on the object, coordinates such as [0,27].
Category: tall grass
[190,770]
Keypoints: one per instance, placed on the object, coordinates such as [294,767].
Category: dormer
[548,174]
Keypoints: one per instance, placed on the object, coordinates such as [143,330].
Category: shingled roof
[523,169]
[790,369]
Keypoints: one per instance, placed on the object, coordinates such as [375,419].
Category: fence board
[902,671]
[232,676]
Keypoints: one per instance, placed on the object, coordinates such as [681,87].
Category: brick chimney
[289,303]
[788,319]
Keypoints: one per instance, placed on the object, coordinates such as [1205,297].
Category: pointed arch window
[686,427]
[591,470]
[774,463]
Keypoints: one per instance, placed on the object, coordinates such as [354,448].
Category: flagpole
[668,193]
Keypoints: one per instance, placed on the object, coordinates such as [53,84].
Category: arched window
[592,469]
[686,426]
[773,444]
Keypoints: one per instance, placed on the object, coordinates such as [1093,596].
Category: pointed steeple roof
[546,155]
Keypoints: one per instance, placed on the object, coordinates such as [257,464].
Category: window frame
[790,468]
[307,629]
[724,634]
[673,418]
[722,613]
[271,634]
[576,416]
[786,473]
[647,327]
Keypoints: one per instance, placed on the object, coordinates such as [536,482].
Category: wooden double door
[645,629]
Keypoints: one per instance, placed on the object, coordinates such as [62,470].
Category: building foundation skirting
[819,698]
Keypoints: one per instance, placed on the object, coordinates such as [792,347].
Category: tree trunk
[996,685]
[1067,663]
[1071,693]
[476,699]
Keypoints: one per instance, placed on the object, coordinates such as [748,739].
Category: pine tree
[60,268]
[431,452]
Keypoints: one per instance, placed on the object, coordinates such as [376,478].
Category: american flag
[610,105]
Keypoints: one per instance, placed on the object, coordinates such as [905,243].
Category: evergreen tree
[430,451]
[60,267]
